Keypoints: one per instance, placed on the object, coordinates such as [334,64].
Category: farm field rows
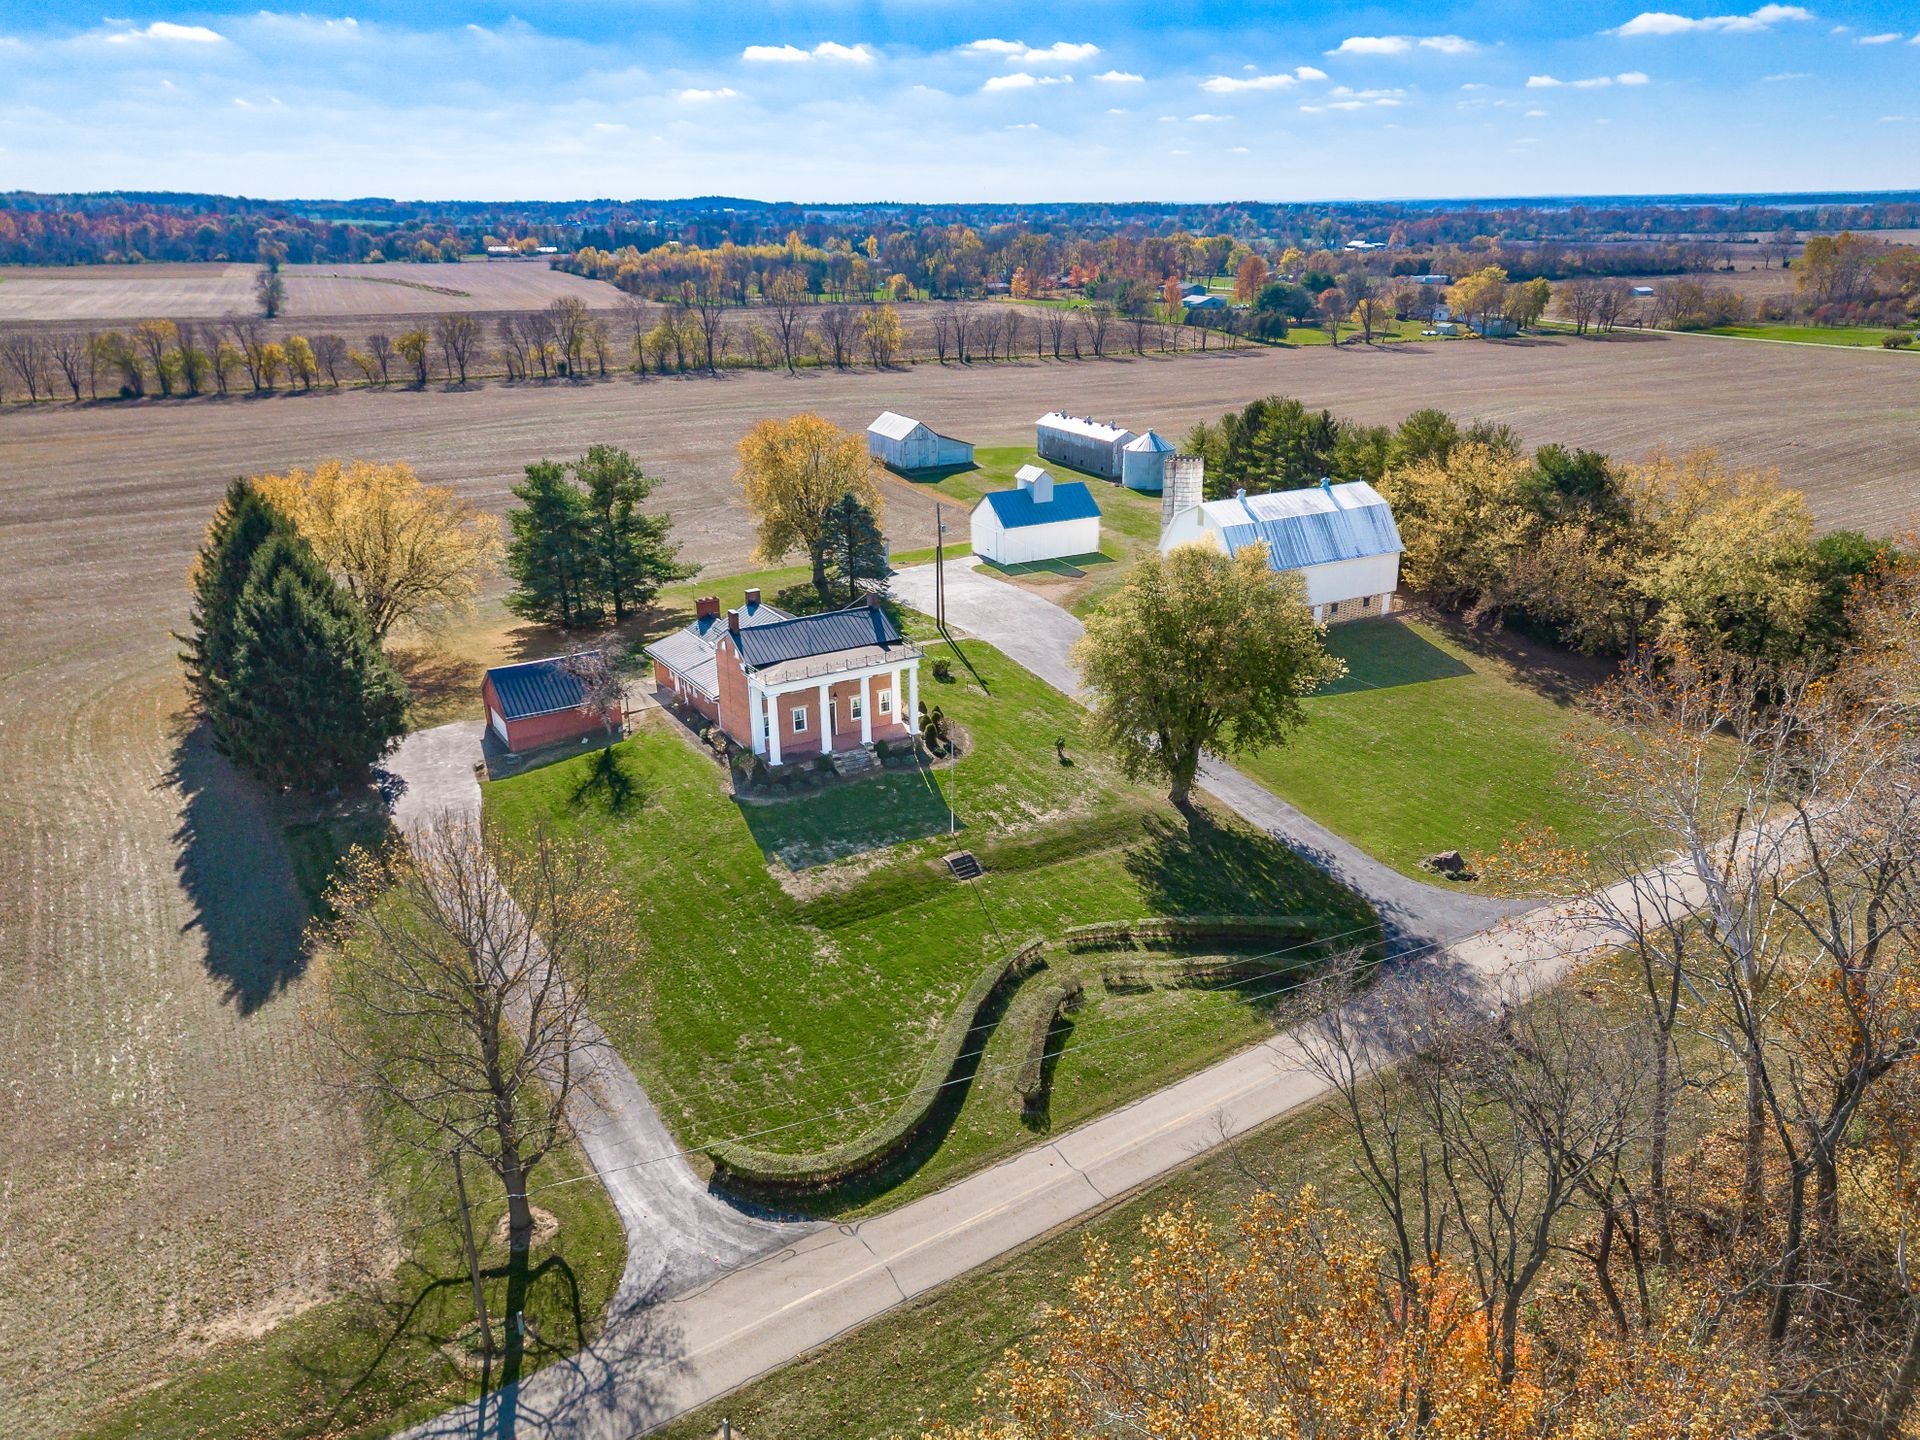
[153,1011]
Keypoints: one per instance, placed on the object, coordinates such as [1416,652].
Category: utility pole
[939,568]
[473,1263]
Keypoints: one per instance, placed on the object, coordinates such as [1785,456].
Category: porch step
[854,762]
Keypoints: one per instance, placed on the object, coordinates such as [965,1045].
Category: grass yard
[800,955]
[1853,335]
[1436,740]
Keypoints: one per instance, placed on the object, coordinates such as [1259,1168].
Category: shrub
[1030,1083]
[943,670]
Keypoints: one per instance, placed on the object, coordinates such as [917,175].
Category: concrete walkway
[679,1234]
[1038,634]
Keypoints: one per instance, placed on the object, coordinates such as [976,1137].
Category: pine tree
[311,700]
[632,553]
[244,522]
[855,550]
[550,551]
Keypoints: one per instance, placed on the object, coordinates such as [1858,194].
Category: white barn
[903,443]
[1083,444]
[1039,519]
[1340,539]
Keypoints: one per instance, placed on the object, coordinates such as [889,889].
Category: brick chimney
[753,598]
[707,607]
[873,600]
[733,621]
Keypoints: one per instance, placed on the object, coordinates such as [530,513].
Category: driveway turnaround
[679,1233]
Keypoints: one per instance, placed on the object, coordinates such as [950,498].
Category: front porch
[833,714]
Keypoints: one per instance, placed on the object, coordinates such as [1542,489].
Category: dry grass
[174,1168]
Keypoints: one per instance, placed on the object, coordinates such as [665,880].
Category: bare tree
[1013,326]
[458,333]
[513,347]
[1611,301]
[380,347]
[636,317]
[965,321]
[71,357]
[599,343]
[1096,321]
[457,987]
[786,295]
[330,354]
[942,333]
[1053,321]
[26,354]
[707,300]
[543,344]
[568,318]
[838,324]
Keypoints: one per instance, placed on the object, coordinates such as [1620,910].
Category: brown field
[174,1168]
[124,294]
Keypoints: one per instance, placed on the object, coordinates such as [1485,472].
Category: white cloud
[1885,39]
[1401,44]
[1233,84]
[1536,115]
[610,127]
[1024,125]
[1023,81]
[1785,75]
[1018,52]
[1308,72]
[166,30]
[1205,119]
[794,55]
[701,97]
[1592,82]
[1665,22]
[1238,150]
[1474,85]
[1119,77]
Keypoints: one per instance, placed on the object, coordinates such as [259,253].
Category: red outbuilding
[542,702]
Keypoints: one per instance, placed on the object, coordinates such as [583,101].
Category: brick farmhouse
[788,687]
[542,702]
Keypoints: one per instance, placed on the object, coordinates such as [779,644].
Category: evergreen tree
[244,522]
[855,550]
[550,552]
[631,551]
[311,700]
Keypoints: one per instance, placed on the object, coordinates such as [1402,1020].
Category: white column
[866,709]
[773,727]
[900,698]
[912,720]
[826,718]
[757,719]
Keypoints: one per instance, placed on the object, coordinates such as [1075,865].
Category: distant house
[1494,327]
[1190,289]
[1143,463]
[1643,290]
[790,687]
[1039,519]
[903,443]
[502,250]
[1340,539]
[1429,279]
[1364,245]
[1082,444]
[1207,302]
[542,702]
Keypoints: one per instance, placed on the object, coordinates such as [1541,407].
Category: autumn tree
[411,346]
[1465,523]
[456,981]
[458,333]
[1249,279]
[302,364]
[792,473]
[409,553]
[881,330]
[1479,297]
[1163,697]
[270,290]
[786,297]
[1332,305]
[155,338]
[1371,314]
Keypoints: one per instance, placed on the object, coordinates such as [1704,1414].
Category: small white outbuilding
[1039,519]
[903,443]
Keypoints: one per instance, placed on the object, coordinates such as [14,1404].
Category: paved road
[679,1234]
[1040,635]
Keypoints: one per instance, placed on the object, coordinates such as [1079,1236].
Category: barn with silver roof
[1095,447]
[902,443]
[1340,539]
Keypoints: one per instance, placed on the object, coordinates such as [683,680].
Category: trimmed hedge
[765,1170]
[1195,929]
[1029,1083]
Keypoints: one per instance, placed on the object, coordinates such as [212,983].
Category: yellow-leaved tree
[409,552]
[792,473]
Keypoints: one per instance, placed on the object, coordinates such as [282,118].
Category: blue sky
[923,101]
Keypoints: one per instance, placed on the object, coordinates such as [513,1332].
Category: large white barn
[1340,539]
[1087,445]
[903,443]
[1039,519]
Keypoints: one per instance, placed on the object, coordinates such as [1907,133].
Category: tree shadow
[436,678]
[1203,867]
[232,861]
[611,785]
[1384,653]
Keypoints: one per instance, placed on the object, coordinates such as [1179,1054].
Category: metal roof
[688,651]
[1029,472]
[893,426]
[1015,509]
[1149,443]
[1106,434]
[1315,526]
[537,687]
[855,628]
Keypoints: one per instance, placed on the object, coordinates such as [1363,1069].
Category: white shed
[1340,539]
[1090,445]
[1143,463]
[1039,519]
[903,443]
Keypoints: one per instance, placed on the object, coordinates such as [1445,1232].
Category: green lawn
[1853,335]
[1429,745]
[767,998]
[380,1354]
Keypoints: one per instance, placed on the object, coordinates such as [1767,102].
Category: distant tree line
[1602,555]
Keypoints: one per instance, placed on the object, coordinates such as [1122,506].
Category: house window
[886,702]
[855,705]
[799,719]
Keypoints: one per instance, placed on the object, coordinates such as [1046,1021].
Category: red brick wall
[537,730]
[735,715]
